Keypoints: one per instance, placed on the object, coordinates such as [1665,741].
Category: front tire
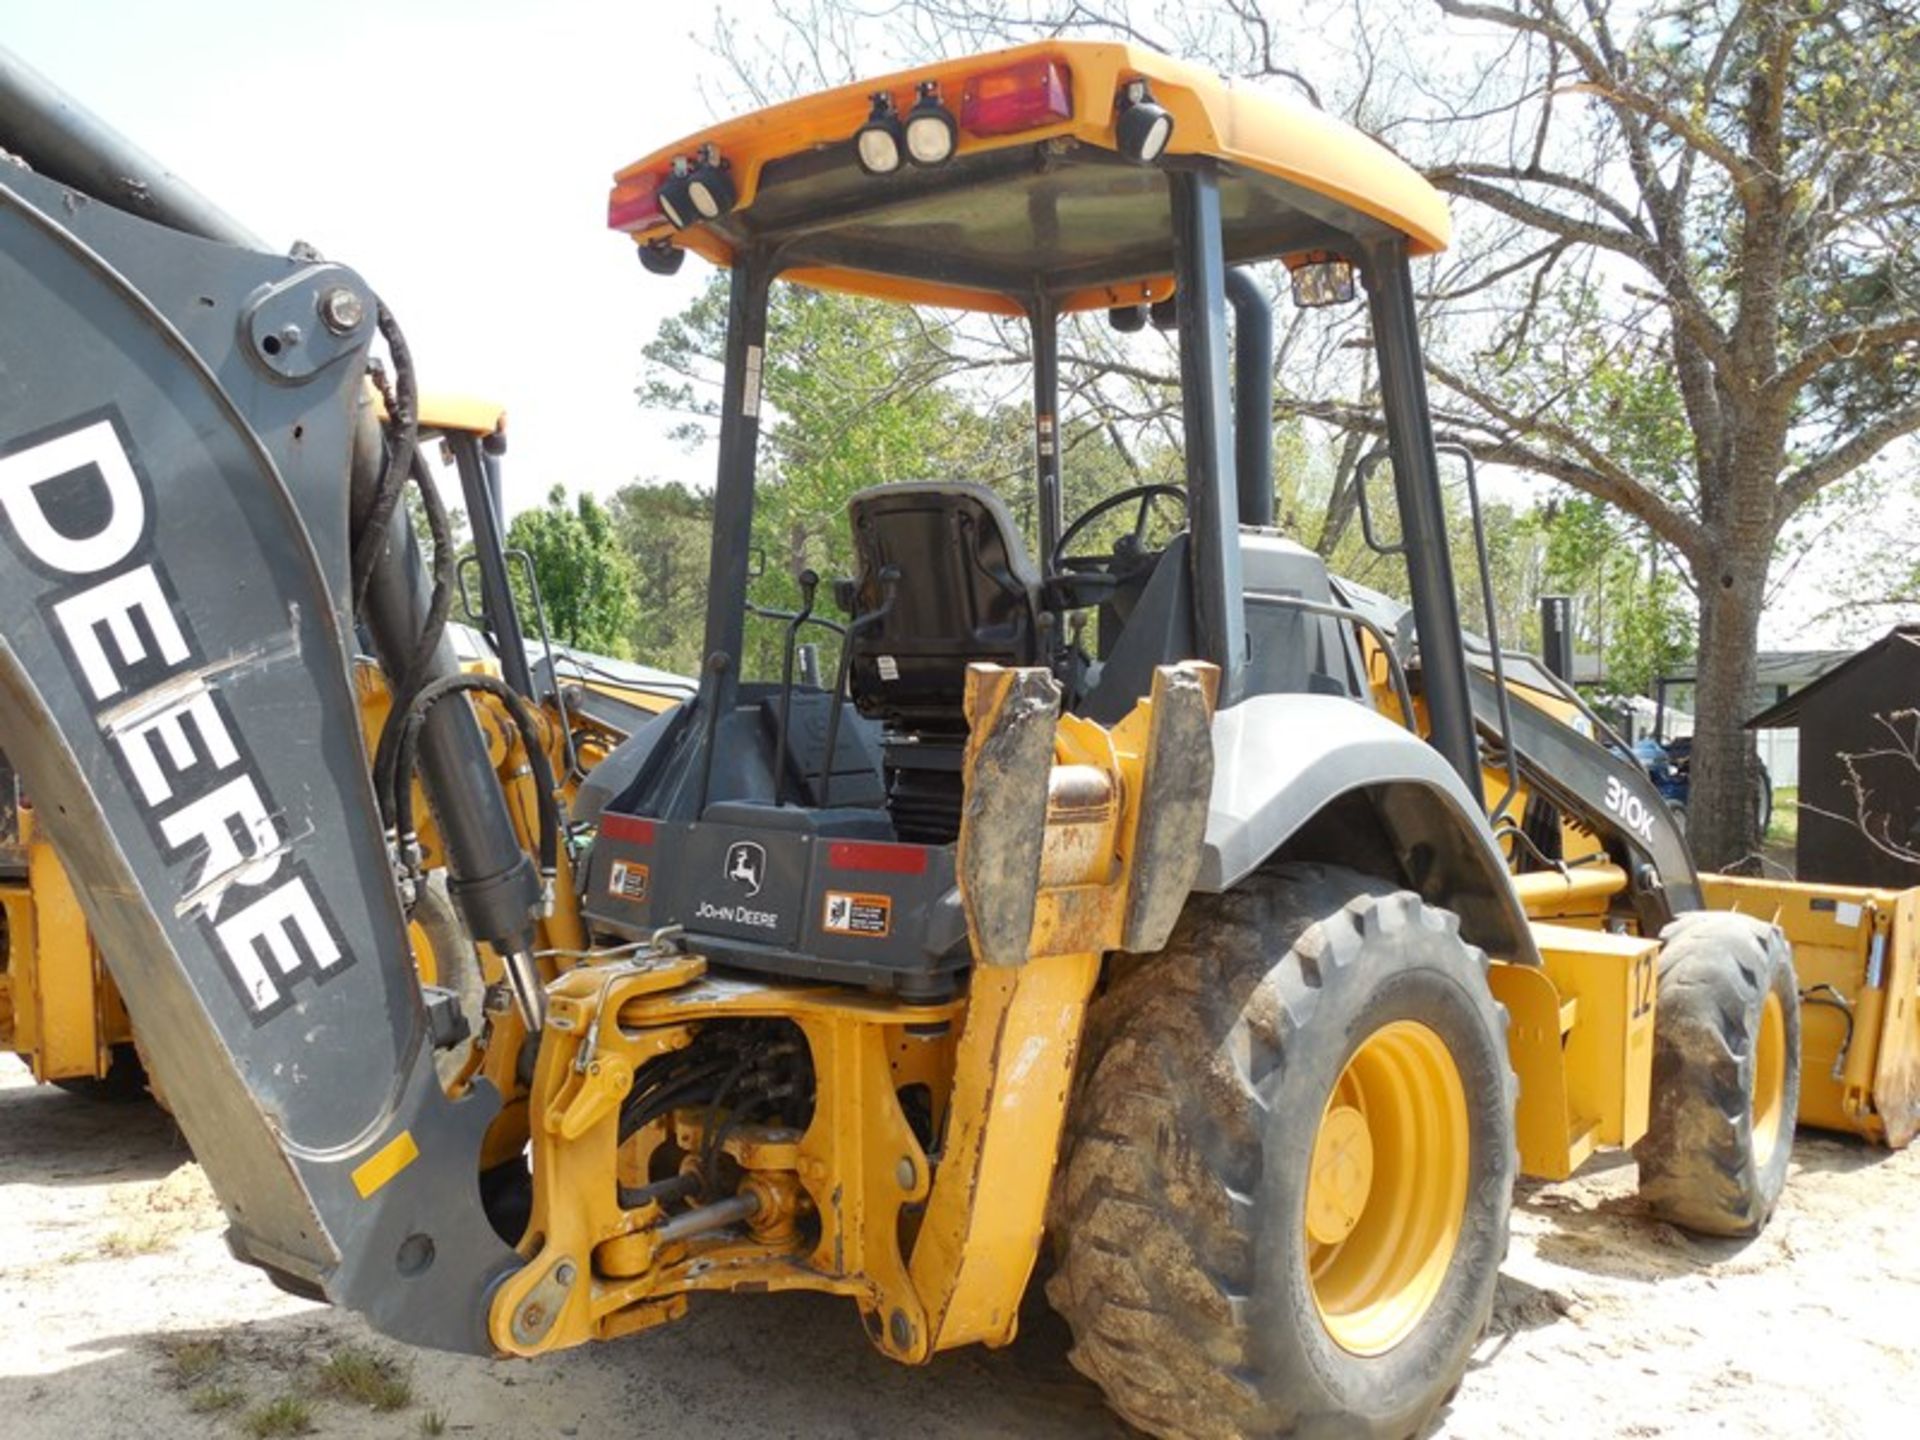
[1289,1164]
[1726,1074]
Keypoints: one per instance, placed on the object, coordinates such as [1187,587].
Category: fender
[1280,761]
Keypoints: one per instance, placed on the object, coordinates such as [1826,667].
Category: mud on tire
[1713,1160]
[1179,1209]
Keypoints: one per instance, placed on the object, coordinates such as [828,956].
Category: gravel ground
[123,1316]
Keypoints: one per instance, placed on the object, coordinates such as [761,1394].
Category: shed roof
[1786,714]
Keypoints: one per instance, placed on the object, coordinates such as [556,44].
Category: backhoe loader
[1193,951]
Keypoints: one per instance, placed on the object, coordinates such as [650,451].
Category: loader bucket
[1856,952]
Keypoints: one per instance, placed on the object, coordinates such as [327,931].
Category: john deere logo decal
[747,865]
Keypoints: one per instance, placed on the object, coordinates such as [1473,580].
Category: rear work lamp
[1142,125]
[931,130]
[881,144]
[697,190]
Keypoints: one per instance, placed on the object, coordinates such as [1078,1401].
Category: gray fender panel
[1279,760]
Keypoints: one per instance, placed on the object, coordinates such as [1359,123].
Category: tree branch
[1842,345]
[1813,477]
[1599,475]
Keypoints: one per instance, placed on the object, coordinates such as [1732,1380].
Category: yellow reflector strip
[393,1157]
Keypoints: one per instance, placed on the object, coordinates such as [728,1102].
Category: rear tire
[1210,1189]
[1726,1074]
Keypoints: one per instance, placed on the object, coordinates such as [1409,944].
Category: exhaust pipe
[1252,397]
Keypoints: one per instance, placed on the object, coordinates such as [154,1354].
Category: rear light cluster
[1016,98]
[1020,97]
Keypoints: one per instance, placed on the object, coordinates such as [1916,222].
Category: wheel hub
[1769,1080]
[1342,1175]
[1387,1188]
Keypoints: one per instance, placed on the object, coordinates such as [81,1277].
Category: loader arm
[1609,795]
[177,426]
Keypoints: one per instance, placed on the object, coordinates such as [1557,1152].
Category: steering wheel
[1128,548]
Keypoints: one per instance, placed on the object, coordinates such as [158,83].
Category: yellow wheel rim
[423,957]
[1769,1080]
[1387,1188]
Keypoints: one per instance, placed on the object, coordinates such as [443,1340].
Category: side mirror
[1320,278]
[1369,466]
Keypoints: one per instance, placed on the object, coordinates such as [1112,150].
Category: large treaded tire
[1178,1211]
[1700,1166]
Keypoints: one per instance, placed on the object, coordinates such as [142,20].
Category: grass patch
[284,1415]
[215,1399]
[1784,827]
[192,1361]
[125,1244]
[363,1377]
[434,1422]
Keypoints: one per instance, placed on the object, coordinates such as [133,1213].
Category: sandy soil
[121,1313]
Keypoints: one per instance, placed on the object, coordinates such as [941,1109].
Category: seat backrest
[966,591]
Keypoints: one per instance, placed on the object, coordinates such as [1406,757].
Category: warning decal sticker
[628,881]
[870,916]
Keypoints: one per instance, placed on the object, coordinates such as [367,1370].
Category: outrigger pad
[1003,823]
[1178,782]
[175,692]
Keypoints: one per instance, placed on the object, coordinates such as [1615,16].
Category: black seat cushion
[967,592]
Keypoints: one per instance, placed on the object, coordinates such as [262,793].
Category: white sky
[470,190]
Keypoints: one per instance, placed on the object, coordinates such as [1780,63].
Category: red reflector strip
[1021,97]
[630,828]
[878,856]
[635,204]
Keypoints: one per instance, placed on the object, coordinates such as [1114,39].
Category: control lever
[889,586]
[809,582]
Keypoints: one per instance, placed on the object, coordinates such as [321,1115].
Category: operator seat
[965,591]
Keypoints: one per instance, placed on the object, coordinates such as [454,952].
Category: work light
[698,189]
[931,129]
[880,144]
[662,257]
[708,186]
[1143,127]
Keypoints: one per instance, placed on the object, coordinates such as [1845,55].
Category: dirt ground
[121,1315]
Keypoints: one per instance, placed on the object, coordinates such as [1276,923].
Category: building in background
[1857,724]
[1777,676]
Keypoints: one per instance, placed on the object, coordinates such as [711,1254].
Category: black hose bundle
[755,1070]
[412,696]
[409,723]
[403,443]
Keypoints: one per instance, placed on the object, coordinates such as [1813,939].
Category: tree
[1725,194]
[664,528]
[586,579]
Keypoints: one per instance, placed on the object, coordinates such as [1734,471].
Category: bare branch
[1810,479]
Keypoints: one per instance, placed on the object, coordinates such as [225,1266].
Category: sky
[456,153]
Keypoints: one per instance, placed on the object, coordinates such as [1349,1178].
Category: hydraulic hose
[414,719]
